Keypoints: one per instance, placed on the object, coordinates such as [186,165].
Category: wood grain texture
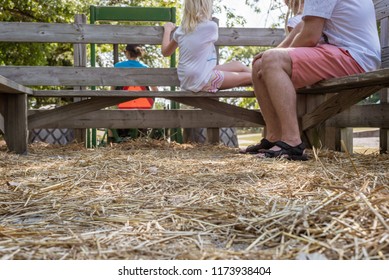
[10,86]
[123,34]
[188,118]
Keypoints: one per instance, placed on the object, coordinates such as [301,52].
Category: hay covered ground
[157,200]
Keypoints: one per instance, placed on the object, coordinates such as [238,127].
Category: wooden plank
[222,108]
[2,125]
[385,57]
[270,37]
[81,76]
[315,136]
[125,93]
[9,86]
[382,8]
[374,78]
[79,108]
[384,38]
[15,123]
[3,100]
[13,114]
[375,115]
[384,93]
[79,33]
[72,110]
[384,32]
[80,60]
[192,118]
[346,135]
[384,140]
[125,34]
[213,135]
[332,137]
[336,104]
[89,76]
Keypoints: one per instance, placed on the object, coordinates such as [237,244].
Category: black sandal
[257,148]
[287,151]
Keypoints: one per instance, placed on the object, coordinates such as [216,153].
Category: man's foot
[285,151]
[255,149]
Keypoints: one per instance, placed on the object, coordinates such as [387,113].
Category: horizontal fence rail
[125,34]
[90,76]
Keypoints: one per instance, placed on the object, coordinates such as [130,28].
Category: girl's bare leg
[235,74]
[236,79]
[233,66]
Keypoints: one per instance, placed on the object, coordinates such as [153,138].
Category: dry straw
[159,200]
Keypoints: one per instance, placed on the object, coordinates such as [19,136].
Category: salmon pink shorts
[311,65]
[214,82]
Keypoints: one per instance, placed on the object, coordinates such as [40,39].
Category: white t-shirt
[350,25]
[293,21]
[197,55]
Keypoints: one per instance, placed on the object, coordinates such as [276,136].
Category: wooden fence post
[384,93]
[213,133]
[80,61]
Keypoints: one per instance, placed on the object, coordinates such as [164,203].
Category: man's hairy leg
[276,73]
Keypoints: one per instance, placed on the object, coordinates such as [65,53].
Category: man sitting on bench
[337,38]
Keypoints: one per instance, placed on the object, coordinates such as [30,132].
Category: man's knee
[271,58]
[276,59]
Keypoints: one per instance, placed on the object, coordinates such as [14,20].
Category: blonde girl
[195,38]
[294,14]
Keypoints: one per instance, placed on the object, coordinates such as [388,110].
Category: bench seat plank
[126,93]
[81,76]
[10,86]
[374,78]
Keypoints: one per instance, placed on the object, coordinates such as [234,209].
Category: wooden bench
[315,106]
[13,114]
[326,105]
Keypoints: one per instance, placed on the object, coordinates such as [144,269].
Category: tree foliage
[38,11]
[64,11]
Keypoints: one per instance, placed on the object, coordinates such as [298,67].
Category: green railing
[159,14]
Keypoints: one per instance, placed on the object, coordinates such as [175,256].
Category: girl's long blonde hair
[294,7]
[195,12]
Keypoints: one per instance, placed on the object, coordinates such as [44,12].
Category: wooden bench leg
[213,136]
[384,132]
[15,122]
[2,113]
[346,135]
[319,136]
[384,140]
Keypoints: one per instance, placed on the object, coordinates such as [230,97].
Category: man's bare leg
[276,72]
[273,126]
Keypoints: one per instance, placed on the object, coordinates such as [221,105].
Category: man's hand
[256,57]
[257,60]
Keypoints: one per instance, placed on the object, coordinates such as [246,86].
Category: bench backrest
[90,33]
[123,34]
